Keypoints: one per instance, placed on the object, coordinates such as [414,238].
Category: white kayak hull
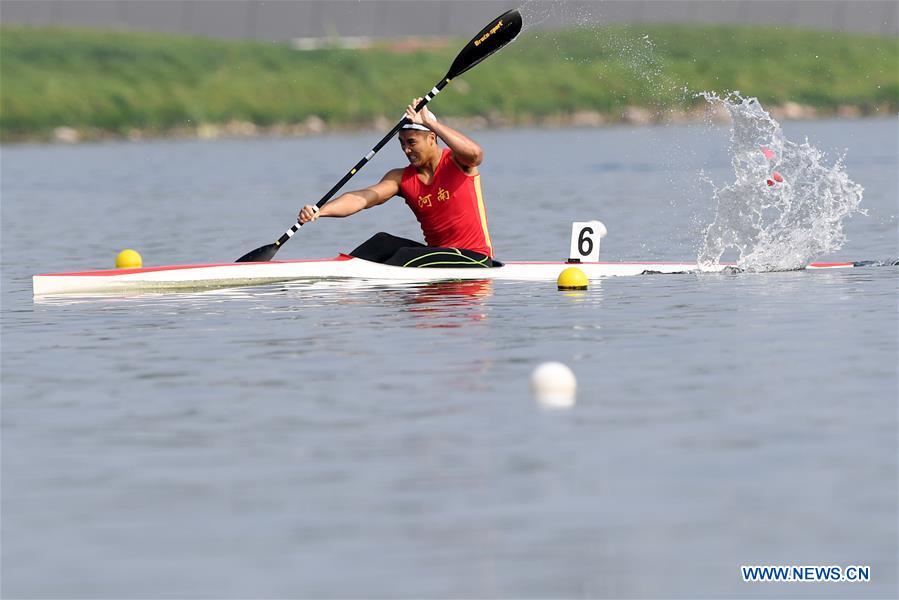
[196,277]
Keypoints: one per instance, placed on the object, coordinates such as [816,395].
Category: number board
[585,236]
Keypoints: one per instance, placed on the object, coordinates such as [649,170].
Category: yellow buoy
[128,259]
[572,278]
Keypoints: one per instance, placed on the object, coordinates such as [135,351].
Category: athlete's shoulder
[469,171]
[394,175]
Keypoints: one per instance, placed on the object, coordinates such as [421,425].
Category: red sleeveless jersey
[450,209]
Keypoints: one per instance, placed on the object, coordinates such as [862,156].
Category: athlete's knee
[402,256]
[375,248]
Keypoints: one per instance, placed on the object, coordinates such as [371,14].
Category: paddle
[494,36]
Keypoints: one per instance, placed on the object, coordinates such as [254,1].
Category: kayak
[209,276]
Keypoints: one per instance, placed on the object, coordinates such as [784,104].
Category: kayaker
[442,186]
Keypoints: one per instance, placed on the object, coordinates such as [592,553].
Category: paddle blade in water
[262,254]
[494,36]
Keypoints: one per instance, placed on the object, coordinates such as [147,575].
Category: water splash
[629,47]
[786,206]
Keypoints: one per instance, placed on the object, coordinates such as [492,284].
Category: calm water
[323,441]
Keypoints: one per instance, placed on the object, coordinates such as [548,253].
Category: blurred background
[74,70]
[258,19]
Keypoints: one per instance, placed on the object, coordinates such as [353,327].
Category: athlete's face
[418,146]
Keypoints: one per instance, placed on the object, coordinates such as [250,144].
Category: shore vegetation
[89,83]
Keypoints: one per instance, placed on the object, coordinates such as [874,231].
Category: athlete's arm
[350,203]
[467,152]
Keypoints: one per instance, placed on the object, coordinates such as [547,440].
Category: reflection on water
[442,304]
[447,304]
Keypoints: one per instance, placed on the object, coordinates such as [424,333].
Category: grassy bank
[116,82]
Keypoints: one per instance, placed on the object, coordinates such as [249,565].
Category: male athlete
[441,186]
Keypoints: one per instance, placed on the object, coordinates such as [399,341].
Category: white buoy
[554,385]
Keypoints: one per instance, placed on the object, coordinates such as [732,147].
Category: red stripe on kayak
[342,257]
[109,272]
[831,265]
[624,262]
[817,265]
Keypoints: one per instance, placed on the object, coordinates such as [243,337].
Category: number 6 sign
[585,236]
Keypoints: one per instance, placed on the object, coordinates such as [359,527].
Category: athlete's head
[419,143]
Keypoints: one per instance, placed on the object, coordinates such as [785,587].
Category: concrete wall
[284,20]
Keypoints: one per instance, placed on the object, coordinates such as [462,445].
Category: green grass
[114,81]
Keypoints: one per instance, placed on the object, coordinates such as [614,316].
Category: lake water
[313,440]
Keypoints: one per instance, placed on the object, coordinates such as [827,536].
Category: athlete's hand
[309,213]
[424,117]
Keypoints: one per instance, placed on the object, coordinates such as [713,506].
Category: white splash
[786,206]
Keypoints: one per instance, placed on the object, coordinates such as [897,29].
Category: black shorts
[391,250]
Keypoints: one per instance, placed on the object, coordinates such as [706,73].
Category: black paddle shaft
[494,36]
[358,167]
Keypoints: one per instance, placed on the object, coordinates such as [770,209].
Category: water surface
[319,440]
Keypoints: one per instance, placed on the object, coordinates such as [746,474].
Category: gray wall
[287,19]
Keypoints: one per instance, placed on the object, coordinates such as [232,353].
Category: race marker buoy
[554,385]
[128,259]
[572,278]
